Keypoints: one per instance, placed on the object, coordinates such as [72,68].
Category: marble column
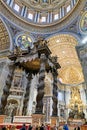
[26,97]
[40,94]
[7,87]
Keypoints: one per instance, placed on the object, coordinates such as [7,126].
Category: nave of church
[43,69]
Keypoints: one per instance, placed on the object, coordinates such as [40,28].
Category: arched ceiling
[4,38]
[42,12]
[41,16]
[63,46]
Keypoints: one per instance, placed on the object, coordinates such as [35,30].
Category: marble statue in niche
[10,109]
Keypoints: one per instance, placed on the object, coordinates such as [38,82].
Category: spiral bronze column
[26,96]
[55,94]
[40,95]
[7,87]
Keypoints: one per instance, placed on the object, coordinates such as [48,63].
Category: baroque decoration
[83,23]
[45,3]
[33,85]
[76,104]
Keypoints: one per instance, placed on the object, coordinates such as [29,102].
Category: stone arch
[63,45]
[75,36]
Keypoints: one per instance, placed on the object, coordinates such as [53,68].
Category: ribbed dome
[42,12]
[42,16]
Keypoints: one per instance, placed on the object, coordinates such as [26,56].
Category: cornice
[22,23]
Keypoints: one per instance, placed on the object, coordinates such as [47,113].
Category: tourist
[23,127]
[33,127]
[42,127]
[3,128]
[37,127]
[55,127]
[65,127]
[77,128]
[48,127]
[30,127]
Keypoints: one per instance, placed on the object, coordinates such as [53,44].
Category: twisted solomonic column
[26,96]
[40,95]
[6,88]
[55,94]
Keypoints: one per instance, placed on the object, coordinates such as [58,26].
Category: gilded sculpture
[76,104]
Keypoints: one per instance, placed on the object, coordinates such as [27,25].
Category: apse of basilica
[43,69]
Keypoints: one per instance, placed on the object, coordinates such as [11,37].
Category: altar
[22,119]
[79,122]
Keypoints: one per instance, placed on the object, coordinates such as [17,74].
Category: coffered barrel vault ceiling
[63,46]
[4,38]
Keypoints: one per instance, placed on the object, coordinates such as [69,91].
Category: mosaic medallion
[24,41]
[83,23]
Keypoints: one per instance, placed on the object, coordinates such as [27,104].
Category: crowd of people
[37,127]
[42,127]
[31,127]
